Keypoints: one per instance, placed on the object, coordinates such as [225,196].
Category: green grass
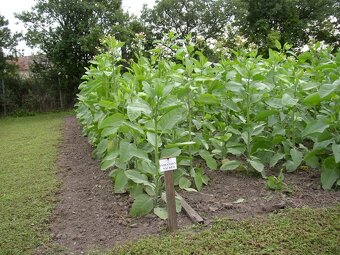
[295,231]
[28,150]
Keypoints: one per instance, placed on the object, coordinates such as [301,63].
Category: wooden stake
[170,200]
[190,212]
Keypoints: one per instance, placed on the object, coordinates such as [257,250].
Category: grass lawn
[292,232]
[27,180]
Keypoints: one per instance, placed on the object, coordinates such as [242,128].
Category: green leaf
[209,160]
[327,89]
[297,156]
[124,151]
[330,173]
[171,153]
[136,176]
[287,100]
[315,126]
[138,106]
[198,179]
[275,158]
[142,205]
[256,164]
[230,165]
[138,153]
[313,99]
[208,99]
[336,152]
[151,138]
[278,45]
[161,212]
[120,181]
[106,164]
[179,144]
[170,119]
[184,183]
[263,115]
[115,120]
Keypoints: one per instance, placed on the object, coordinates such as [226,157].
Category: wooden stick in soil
[190,212]
[170,200]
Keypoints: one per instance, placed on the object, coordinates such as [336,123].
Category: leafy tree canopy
[291,21]
[69,31]
[205,18]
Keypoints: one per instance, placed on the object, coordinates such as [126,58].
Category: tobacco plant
[242,113]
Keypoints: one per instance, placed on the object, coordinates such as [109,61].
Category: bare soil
[90,216]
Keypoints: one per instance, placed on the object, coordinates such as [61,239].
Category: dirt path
[89,216]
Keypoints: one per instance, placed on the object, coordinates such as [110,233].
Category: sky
[9,7]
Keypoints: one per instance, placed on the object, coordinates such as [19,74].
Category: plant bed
[90,216]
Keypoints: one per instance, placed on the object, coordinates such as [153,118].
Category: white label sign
[167,164]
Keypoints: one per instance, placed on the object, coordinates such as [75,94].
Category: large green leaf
[124,151]
[287,100]
[315,126]
[136,107]
[170,119]
[161,212]
[327,89]
[142,205]
[171,152]
[184,183]
[121,181]
[336,152]
[208,99]
[209,160]
[115,120]
[330,173]
[230,165]
[256,164]
[313,99]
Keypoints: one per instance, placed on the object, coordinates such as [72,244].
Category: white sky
[9,7]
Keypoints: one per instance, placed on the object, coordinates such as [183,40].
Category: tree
[289,21]
[69,32]
[8,41]
[200,18]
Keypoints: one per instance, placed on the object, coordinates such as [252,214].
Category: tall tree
[204,18]
[291,21]
[69,31]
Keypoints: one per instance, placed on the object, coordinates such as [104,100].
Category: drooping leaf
[313,99]
[208,99]
[171,152]
[142,205]
[208,158]
[230,165]
[115,120]
[287,100]
[120,181]
[315,126]
[336,152]
[330,173]
[136,176]
[184,183]
[256,164]
[124,151]
[275,158]
[170,119]
[162,213]
[326,89]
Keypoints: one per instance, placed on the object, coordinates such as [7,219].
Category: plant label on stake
[166,166]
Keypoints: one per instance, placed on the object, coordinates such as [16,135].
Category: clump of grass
[28,150]
[296,231]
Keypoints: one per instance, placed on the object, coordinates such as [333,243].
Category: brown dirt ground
[90,216]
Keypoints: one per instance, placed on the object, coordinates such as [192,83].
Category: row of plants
[246,112]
